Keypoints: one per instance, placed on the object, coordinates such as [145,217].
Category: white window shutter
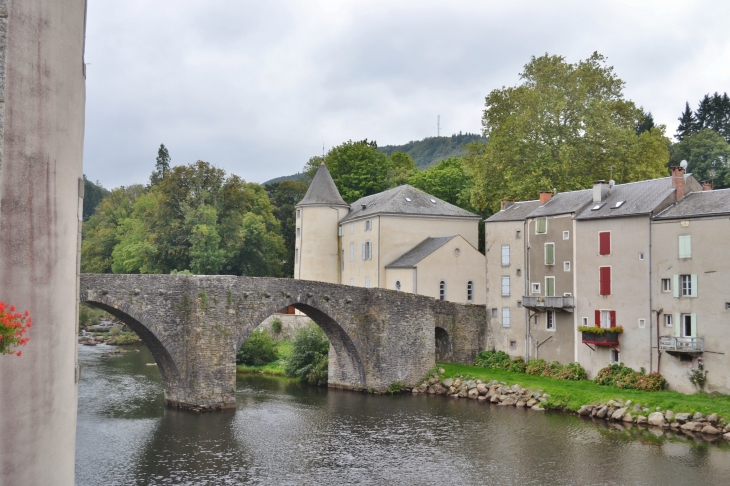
[693,324]
[362,251]
[677,325]
[675,285]
[693,278]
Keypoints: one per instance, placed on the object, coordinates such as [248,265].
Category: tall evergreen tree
[162,165]
[646,122]
[687,124]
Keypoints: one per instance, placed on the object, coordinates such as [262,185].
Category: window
[505,255]
[668,320]
[513,344]
[641,255]
[642,323]
[549,253]
[519,303]
[567,294]
[367,251]
[442,290]
[727,305]
[352,229]
[666,285]
[397,285]
[505,317]
[469,291]
[585,321]
[541,226]
[618,204]
[566,266]
[495,311]
[296,255]
[299,213]
[550,320]
[605,318]
[684,285]
[505,286]
[614,356]
[685,246]
[352,252]
[604,280]
[566,235]
[367,282]
[535,288]
[518,234]
[340,231]
[689,325]
[604,243]
[549,286]
[368,225]
[352,282]
[299,232]
[519,272]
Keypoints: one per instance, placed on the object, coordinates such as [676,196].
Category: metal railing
[548,302]
[682,344]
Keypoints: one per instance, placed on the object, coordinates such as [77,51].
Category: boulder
[602,412]
[637,408]
[537,408]
[432,380]
[510,400]
[726,429]
[531,402]
[537,395]
[473,393]
[479,382]
[441,371]
[515,388]
[471,384]
[726,436]
[712,418]
[452,390]
[619,414]
[710,430]
[457,383]
[482,389]
[520,403]
[640,419]
[627,417]
[494,398]
[698,417]
[613,403]
[669,415]
[681,417]
[448,383]
[482,399]
[692,427]
[656,418]
[585,410]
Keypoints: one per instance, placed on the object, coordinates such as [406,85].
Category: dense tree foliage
[446,180]
[259,349]
[284,196]
[162,165]
[565,126]
[432,150]
[309,356]
[713,113]
[93,194]
[707,154]
[194,218]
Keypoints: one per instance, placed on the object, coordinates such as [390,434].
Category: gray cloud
[257,87]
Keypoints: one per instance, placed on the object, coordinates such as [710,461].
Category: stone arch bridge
[194,325]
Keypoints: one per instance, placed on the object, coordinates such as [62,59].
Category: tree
[565,126]
[284,196]
[162,165]
[687,124]
[707,154]
[713,112]
[646,122]
[400,168]
[93,195]
[447,181]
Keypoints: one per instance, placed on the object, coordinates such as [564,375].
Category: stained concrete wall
[42,113]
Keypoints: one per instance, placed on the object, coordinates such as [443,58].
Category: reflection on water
[286,433]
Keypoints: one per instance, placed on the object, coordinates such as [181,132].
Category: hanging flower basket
[13,326]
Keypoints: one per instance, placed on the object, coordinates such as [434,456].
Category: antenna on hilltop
[438,126]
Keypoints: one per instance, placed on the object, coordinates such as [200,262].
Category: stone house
[401,239]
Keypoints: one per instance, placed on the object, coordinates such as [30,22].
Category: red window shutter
[598,318]
[604,280]
[613,318]
[604,243]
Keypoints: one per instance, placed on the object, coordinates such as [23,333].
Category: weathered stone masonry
[195,324]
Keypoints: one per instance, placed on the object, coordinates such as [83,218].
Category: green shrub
[622,376]
[500,360]
[115,330]
[276,325]
[517,365]
[396,387]
[309,358]
[258,350]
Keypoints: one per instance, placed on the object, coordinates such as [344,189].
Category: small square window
[519,303]
[567,294]
[566,266]
[614,357]
[642,323]
[518,234]
[494,312]
[666,285]
[641,256]
[727,305]
[519,272]
[668,320]
[585,321]
[513,344]
[566,235]
[536,288]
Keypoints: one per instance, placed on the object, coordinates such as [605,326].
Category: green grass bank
[275,368]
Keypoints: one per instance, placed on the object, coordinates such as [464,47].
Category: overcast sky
[256,87]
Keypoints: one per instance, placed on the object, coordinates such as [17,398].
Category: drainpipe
[659,351]
[651,296]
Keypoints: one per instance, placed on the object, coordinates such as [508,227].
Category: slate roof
[640,198]
[517,212]
[564,203]
[696,204]
[410,258]
[322,190]
[404,200]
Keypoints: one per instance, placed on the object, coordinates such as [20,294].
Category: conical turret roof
[322,190]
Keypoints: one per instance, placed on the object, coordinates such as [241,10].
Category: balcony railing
[605,339]
[548,303]
[682,344]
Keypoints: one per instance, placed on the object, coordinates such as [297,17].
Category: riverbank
[275,368]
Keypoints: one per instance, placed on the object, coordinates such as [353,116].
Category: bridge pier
[194,325]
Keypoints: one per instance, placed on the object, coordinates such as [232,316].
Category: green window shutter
[694,285]
[677,325]
[675,285]
[541,225]
[693,323]
[549,254]
[549,287]
[685,246]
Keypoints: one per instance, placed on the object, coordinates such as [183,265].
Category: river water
[285,433]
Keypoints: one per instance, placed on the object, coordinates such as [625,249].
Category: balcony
[673,344]
[548,303]
[605,339]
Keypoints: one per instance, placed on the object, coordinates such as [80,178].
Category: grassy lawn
[572,395]
[275,367]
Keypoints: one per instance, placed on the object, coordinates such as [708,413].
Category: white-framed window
[685,246]
[505,255]
[642,323]
[513,344]
[352,228]
[368,225]
[567,294]
[585,322]
[367,282]
[367,251]
[606,318]
[505,286]
[518,272]
[442,290]
[495,312]
[397,285]
[299,213]
[505,317]
[549,253]
[566,266]
[641,255]
[352,282]
[352,252]
[549,286]
[684,285]
[518,234]
[689,325]
[668,320]
[666,285]
[614,356]
[686,282]
[519,304]
[550,320]
[541,226]
[566,235]
[299,232]
[296,255]
[469,291]
[535,288]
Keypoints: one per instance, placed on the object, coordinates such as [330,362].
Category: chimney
[545,196]
[706,185]
[600,191]
[507,203]
[678,181]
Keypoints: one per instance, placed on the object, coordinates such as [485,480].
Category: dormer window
[597,207]
[618,205]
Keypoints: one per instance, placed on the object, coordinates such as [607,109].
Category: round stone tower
[317,248]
